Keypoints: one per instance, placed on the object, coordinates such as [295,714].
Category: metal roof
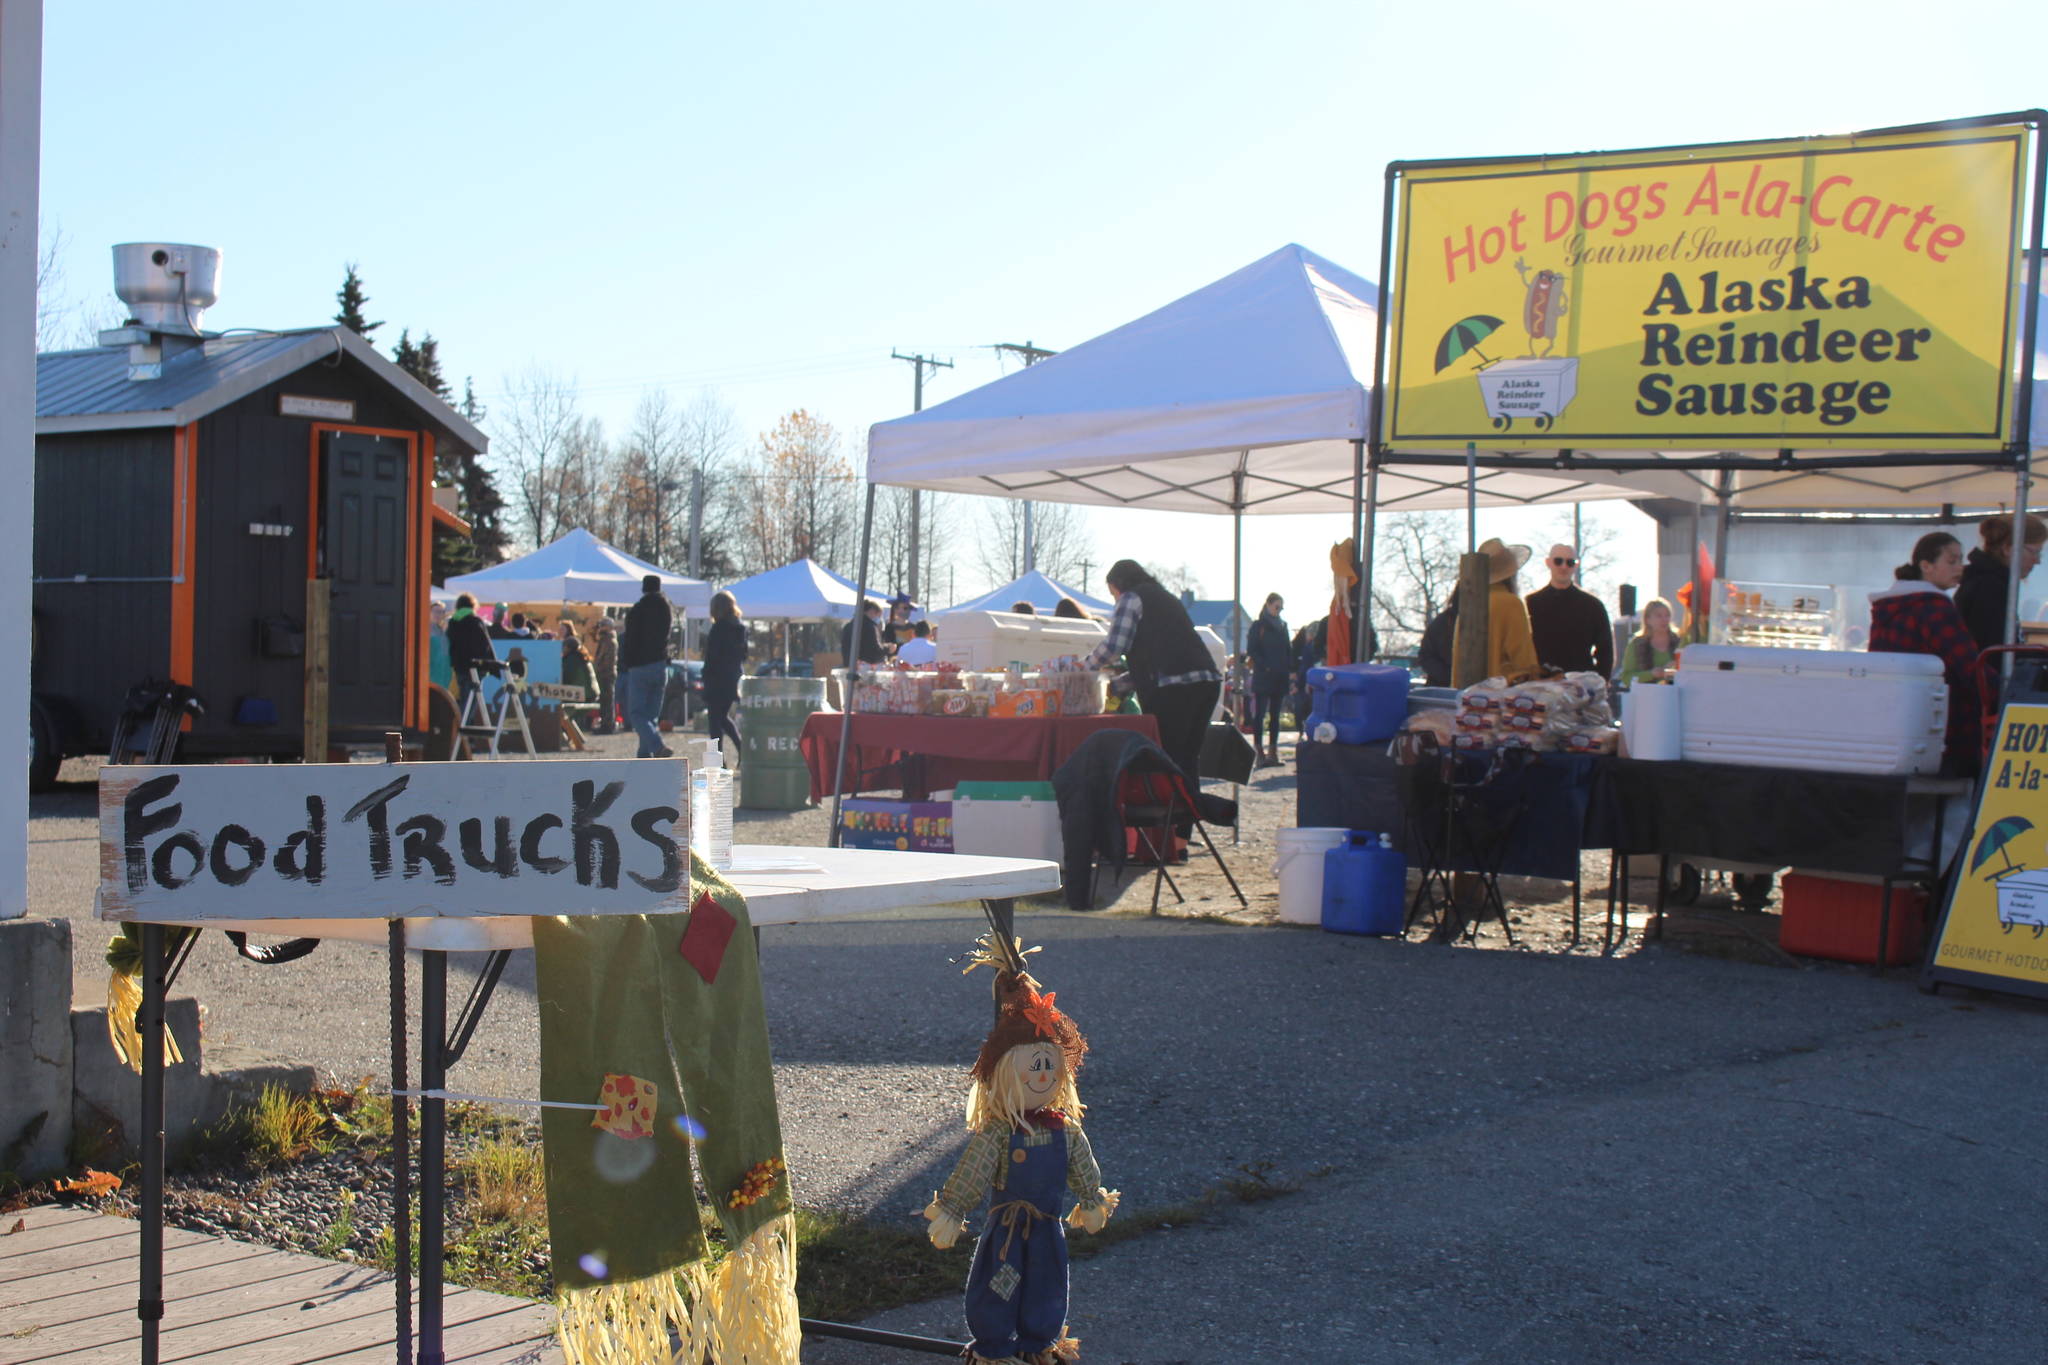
[90,390]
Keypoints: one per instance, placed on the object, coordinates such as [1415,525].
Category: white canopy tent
[1042,593]
[578,568]
[1249,395]
[801,591]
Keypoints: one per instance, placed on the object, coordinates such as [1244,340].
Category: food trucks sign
[1828,292]
[362,841]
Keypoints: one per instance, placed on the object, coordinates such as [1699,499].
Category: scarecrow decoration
[656,1023]
[1025,1143]
[1344,579]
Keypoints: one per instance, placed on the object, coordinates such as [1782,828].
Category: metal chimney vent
[168,286]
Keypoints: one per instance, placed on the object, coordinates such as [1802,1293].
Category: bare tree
[1064,541]
[1415,573]
[1596,552]
[802,499]
[1178,578]
[62,322]
[539,435]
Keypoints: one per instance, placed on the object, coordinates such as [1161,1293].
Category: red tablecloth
[923,754]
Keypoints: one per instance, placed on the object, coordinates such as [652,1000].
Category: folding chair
[486,722]
[1154,805]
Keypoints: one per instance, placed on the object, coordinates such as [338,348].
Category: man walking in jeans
[643,666]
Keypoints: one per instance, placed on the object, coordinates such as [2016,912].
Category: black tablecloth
[1774,817]
[1362,787]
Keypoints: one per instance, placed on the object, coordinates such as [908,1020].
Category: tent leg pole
[1358,516]
[1471,497]
[1725,493]
[854,632]
[1367,543]
[2021,480]
[1236,626]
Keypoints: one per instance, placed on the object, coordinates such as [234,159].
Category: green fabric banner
[674,1002]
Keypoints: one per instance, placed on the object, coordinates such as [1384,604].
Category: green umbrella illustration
[1465,335]
[2001,833]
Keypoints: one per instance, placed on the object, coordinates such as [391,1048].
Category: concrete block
[107,1096]
[35,1045]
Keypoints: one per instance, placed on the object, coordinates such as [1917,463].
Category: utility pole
[916,497]
[1032,355]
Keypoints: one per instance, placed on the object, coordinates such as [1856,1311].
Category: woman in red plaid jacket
[1916,616]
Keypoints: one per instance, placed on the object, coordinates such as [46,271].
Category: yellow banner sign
[1998,909]
[1844,292]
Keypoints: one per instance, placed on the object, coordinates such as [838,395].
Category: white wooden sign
[546,691]
[362,841]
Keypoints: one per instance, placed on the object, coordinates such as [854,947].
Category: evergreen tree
[423,362]
[479,501]
[352,298]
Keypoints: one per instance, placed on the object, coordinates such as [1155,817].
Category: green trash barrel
[772,716]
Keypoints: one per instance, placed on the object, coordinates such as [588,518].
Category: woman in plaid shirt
[1915,616]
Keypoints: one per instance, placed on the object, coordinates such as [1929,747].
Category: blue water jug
[1365,886]
[1358,703]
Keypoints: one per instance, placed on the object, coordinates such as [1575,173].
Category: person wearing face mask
[1915,616]
[1987,575]
[1266,645]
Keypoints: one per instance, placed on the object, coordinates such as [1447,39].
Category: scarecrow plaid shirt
[982,1168]
[1123,628]
[1927,622]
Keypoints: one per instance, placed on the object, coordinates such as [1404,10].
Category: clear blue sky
[767,199]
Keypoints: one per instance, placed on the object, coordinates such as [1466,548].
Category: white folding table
[846,882]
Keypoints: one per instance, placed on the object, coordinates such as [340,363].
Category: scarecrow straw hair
[999,1103]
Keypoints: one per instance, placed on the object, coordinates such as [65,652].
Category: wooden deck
[67,1297]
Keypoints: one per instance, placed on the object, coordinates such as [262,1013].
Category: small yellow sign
[1998,909]
[1829,292]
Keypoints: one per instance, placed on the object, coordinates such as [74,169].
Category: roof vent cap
[168,286]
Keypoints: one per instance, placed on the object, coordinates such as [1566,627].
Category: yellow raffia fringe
[741,1312]
[124,1002]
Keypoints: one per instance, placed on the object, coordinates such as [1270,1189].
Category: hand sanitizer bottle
[711,803]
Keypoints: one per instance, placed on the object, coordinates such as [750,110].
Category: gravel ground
[1545,1154]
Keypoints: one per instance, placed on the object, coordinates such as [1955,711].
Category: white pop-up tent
[1249,395]
[577,568]
[1042,593]
[801,591]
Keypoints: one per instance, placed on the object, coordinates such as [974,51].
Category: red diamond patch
[710,929]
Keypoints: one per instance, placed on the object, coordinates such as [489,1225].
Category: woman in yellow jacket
[1510,646]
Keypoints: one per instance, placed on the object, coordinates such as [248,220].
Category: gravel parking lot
[1514,1156]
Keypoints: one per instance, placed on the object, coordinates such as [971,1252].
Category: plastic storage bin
[1365,886]
[1007,820]
[1839,711]
[1298,865]
[1837,918]
[996,639]
[1361,703]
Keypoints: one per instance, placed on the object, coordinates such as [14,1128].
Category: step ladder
[484,725]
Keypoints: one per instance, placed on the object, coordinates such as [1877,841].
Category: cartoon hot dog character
[1542,306]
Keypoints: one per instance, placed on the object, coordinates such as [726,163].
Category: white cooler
[1833,710]
[980,641]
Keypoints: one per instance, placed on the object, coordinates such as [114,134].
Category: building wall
[103,512]
[254,466]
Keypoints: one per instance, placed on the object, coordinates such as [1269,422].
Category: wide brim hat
[1027,1017]
[1506,560]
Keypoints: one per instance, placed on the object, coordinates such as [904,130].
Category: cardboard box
[900,826]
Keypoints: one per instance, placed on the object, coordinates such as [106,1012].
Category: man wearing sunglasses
[1569,624]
